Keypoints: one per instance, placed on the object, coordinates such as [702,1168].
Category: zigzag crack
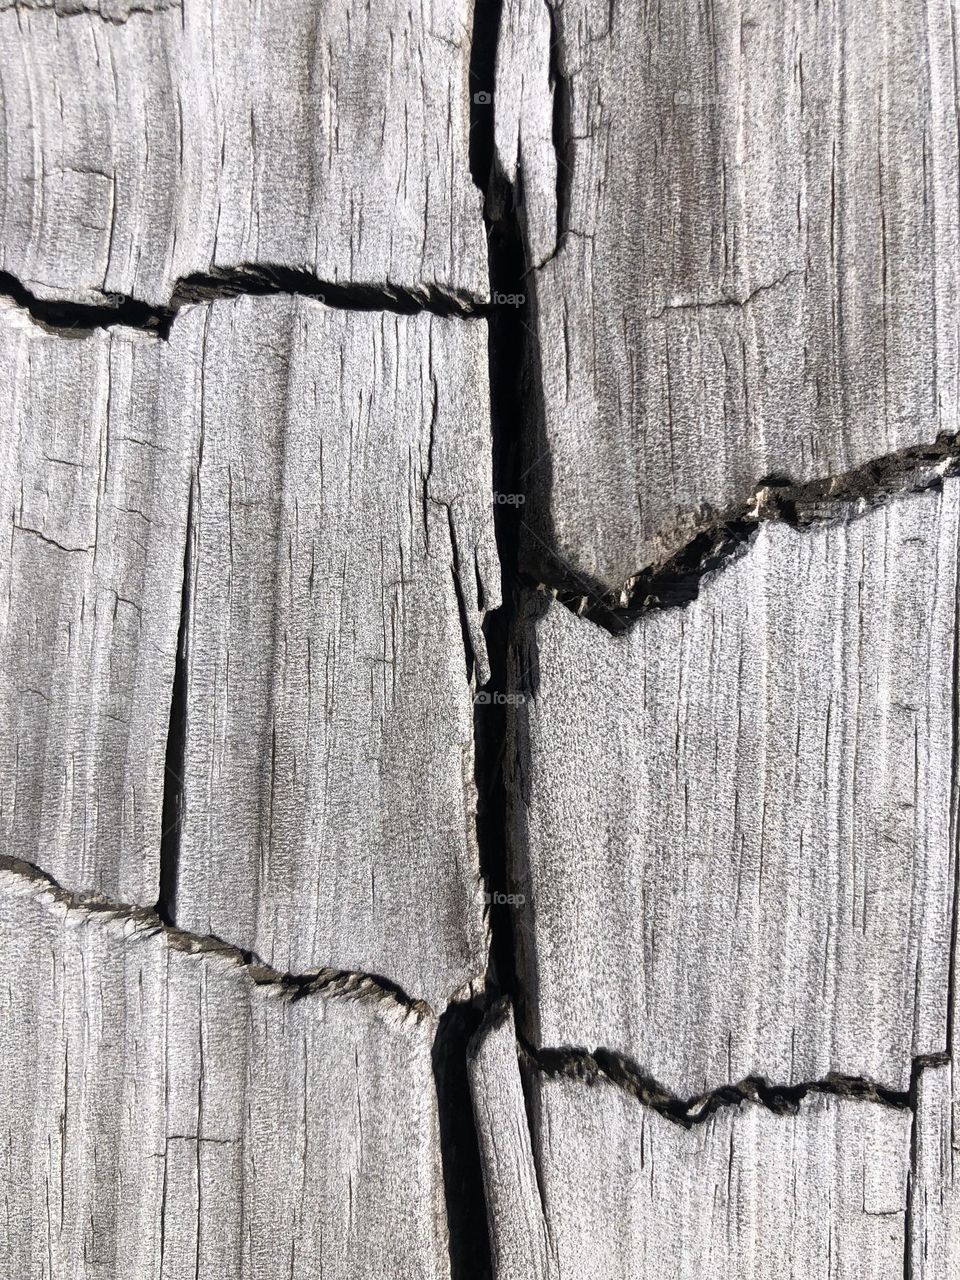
[590,1068]
[76,319]
[835,499]
[328,981]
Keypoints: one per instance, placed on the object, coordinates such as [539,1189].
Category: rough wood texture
[332,138]
[97,447]
[613,1188]
[519,1236]
[744,252]
[935,1201]
[747,1195]
[168,1112]
[342,555]
[733,822]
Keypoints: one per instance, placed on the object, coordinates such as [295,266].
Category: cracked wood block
[742,227]
[732,822]
[341,560]
[169,1112]
[595,1182]
[746,1195]
[935,1201]
[97,450]
[176,139]
[520,1238]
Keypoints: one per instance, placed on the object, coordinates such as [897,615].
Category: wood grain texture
[744,255]
[97,448]
[168,1112]
[330,138]
[733,822]
[342,557]
[520,1241]
[935,1201]
[747,1195]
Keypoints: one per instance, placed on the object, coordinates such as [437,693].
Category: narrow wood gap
[173,765]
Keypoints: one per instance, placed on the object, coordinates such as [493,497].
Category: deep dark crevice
[333,982]
[173,765]
[459,1148]
[828,500]
[591,1068]
[77,319]
[463,1176]
[562,127]
[954,819]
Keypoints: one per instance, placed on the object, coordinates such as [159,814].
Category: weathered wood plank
[97,448]
[744,251]
[331,138]
[342,558]
[935,1201]
[169,1112]
[620,1190]
[520,1241]
[746,1194]
[733,822]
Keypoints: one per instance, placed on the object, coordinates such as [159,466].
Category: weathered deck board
[744,251]
[733,822]
[330,138]
[520,1240]
[748,1194]
[166,1114]
[342,526]
[935,1201]
[97,448]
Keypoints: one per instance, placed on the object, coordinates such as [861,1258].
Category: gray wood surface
[733,822]
[244,616]
[743,254]
[342,525]
[332,138]
[97,450]
[167,1111]
[607,1186]
[935,1199]
[520,1236]
[746,1194]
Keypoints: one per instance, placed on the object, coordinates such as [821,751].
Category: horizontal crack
[329,982]
[828,500]
[79,318]
[603,1064]
[708,303]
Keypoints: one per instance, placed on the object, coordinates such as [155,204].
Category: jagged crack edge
[591,1067]
[327,981]
[838,499]
[77,319]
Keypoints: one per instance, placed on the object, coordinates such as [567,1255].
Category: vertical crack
[172,808]
[467,1214]
[468,1235]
